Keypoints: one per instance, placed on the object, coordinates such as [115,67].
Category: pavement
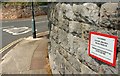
[29,56]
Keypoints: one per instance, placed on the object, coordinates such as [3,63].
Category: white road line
[22,32]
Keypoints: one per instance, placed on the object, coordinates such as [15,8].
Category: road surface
[15,29]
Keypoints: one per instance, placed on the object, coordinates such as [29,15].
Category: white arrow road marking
[17,30]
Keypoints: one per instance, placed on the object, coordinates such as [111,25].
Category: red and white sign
[103,47]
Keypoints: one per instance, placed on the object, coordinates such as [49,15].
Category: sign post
[33,22]
[103,47]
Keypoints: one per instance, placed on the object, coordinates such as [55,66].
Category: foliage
[24,3]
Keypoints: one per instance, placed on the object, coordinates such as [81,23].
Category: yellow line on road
[9,45]
[16,41]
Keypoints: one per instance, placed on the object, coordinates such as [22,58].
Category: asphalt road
[15,26]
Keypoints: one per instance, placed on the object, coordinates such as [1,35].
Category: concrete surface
[28,57]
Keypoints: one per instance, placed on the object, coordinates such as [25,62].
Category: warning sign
[103,47]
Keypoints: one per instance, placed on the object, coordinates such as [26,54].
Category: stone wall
[18,11]
[69,25]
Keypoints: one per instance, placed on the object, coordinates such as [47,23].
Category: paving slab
[41,71]
[8,67]
[18,59]
[39,59]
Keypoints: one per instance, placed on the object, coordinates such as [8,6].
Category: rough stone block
[118,34]
[82,47]
[68,12]
[86,29]
[63,52]
[53,47]
[109,70]
[53,55]
[89,61]
[75,27]
[54,33]
[75,9]
[86,70]
[80,10]
[70,43]
[73,61]
[63,7]
[82,55]
[64,24]
[58,12]
[70,68]
[60,15]
[67,72]
[76,44]
[107,31]
[62,39]
[59,60]
[118,44]
[108,15]
[92,11]
[70,15]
